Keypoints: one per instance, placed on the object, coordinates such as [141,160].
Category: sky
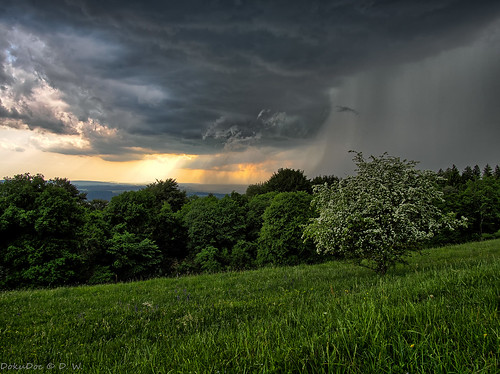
[230,91]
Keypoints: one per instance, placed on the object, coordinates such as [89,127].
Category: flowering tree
[377,216]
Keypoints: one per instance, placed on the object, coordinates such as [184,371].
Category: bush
[209,260]
[487,236]
[102,274]
[243,255]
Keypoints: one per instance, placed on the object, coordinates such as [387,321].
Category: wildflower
[485,335]
[413,345]
[431,296]
[148,304]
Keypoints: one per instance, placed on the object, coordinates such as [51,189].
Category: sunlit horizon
[150,168]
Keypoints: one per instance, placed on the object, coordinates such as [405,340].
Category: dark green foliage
[243,255]
[211,259]
[452,176]
[256,189]
[481,199]
[102,274]
[230,223]
[216,223]
[132,211]
[66,185]
[284,180]
[40,227]
[477,172]
[51,235]
[95,235]
[97,204]
[289,180]
[487,236]
[149,216]
[496,173]
[169,234]
[476,198]
[241,200]
[133,257]
[467,174]
[280,241]
[168,192]
[200,220]
[487,171]
[256,207]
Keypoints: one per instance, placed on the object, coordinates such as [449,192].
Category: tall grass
[438,315]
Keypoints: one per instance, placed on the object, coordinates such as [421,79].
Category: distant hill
[106,190]
[218,190]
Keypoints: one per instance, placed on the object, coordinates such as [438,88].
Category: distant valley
[106,190]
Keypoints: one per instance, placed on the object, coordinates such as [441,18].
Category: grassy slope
[440,314]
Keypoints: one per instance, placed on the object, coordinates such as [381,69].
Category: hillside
[439,314]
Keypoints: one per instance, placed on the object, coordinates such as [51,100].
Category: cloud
[239,133]
[198,77]
[11,147]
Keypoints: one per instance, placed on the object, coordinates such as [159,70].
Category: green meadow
[437,315]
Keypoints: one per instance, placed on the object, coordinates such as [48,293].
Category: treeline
[52,235]
[473,194]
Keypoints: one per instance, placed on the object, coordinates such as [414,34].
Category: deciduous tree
[379,215]
[280,240]
[41,232]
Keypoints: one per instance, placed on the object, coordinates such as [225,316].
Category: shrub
[243,255]
[208,259]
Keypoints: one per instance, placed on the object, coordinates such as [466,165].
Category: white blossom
[386,210]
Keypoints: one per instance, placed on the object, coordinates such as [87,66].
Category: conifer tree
[487,171]
[496,173]
[467,174]
[477,172]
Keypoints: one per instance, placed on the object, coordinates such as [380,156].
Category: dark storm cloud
[201,76]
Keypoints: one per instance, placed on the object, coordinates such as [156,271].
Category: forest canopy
[52,235]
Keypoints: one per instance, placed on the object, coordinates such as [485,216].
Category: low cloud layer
[122,80]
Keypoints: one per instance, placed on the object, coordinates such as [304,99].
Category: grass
[437,315]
